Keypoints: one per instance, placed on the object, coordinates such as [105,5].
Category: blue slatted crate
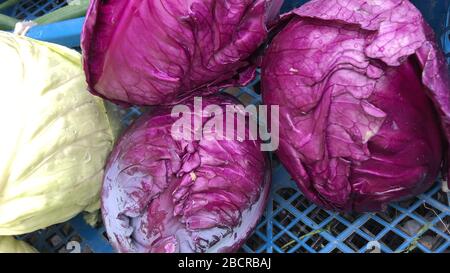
[291,223]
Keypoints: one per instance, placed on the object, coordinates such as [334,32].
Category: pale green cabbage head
[10,245]
[55,136]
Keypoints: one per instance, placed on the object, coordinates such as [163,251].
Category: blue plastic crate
[291,223]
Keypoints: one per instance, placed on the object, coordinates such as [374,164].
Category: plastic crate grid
[74,236]
[30,9]
[291,223]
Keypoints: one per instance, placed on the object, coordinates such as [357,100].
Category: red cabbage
[158,52]
[364,102]
[161,194]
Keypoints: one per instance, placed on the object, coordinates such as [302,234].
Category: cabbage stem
[71,11]
[8,4]
[7,22]
[75,9]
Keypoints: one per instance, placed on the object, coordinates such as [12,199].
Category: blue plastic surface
[291,223]
[65,33]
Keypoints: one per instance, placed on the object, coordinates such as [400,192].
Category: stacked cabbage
[56,136]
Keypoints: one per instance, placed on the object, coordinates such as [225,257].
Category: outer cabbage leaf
[158,52]
[364,102]
[56,136]
[10,245]
[164,194]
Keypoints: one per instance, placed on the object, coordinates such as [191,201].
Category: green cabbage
[10,245]
[55,140]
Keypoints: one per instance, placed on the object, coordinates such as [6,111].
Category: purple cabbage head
[152,52]
[162,194]
[364,102]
